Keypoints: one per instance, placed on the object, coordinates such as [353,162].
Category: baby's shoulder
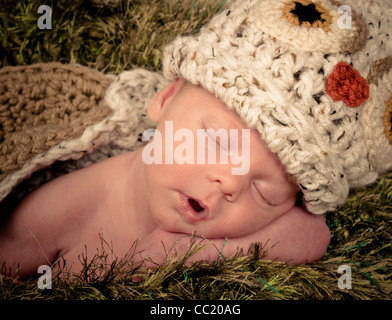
[68,199]
[93,188]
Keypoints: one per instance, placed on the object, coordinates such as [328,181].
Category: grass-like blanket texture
[112,36]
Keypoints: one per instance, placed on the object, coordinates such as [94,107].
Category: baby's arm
[24,237]
[296,237]
[40,229]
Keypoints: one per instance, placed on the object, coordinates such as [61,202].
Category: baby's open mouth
[195,205]
[192,209]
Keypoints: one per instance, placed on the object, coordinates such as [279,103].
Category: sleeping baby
[287,143]
[123,199]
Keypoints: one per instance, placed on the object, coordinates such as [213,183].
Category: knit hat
[312,76]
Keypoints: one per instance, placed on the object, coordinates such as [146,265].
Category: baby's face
[208,198]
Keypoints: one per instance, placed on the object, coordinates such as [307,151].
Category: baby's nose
[229,185]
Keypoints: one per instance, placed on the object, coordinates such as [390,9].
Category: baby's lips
[190,214]
[346,84]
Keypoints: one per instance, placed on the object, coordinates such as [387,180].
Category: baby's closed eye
[273,195]
[219,138]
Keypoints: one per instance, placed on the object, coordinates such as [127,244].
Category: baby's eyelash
[204,128]
[262,196]
[222,145]
[212,137]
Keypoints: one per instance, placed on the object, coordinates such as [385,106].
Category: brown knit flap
[44,104]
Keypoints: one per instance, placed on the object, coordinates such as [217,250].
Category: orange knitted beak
[346,84]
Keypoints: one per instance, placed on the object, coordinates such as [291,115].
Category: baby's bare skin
[75,211]
[64,217]
[121,200]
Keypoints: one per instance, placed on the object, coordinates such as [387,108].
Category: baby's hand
[296,237]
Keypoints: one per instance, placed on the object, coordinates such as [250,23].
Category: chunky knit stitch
[346,84]
[295,72]
[44,104]
[320,95]
[51,112]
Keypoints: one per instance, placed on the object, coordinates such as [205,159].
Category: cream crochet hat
[312,76]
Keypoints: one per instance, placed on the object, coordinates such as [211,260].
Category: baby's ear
[159,102]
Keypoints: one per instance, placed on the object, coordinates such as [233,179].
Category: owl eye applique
[312,25]
[388,120]
[379,72]
[307,13]
[376,115]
